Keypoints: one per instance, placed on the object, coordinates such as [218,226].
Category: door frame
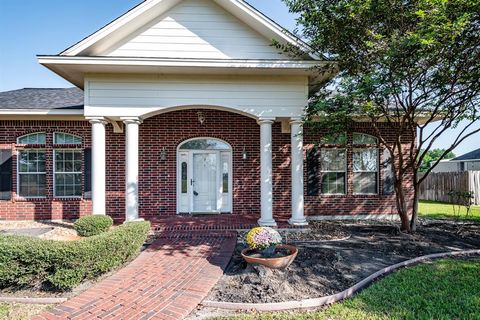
[178,178]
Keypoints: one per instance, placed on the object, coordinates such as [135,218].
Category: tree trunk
[413,220]
[402,206]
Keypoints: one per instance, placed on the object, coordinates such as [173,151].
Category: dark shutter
[5,174]
[388,174]
[87,188]
[312,172]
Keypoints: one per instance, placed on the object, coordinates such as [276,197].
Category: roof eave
[74,69]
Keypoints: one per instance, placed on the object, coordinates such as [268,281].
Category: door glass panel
[184,177]
[204,186]
[205,144]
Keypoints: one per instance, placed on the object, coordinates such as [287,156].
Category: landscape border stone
[326,300]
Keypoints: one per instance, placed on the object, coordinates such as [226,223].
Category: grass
[15,311]
[431,209]
[446,289]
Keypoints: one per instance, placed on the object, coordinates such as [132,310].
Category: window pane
[360,138]
[68,174]
[334,139]
[33,138]
[32,185]
[365,182]
[333,160]
[333,183]
[205,144]
[68,185]
[365,160]
[184,178]
[66,138]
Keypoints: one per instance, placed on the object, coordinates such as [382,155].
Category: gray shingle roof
[42,98]
[473,155]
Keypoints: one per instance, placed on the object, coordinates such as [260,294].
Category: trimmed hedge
[92,225]
[62,265]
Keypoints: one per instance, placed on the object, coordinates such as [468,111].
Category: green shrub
[92,225]
[59,265]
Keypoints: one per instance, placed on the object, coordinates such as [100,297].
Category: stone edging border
[318,302]
[27,300]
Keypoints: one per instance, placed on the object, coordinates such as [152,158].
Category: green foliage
[446,289]
[432,156]
[92,225]
[398,62]
[33,262]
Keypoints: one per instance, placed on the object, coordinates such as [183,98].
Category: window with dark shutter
[312,172]
[5,174]
[87,188]
[388,174]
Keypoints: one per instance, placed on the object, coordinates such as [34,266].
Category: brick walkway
[167,281]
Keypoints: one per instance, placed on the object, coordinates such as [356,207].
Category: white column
[98,165]
[132,127]
[266,185]
[298,217]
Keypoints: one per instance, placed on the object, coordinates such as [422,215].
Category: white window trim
[22,173]
[330,171]
[377,192]
[69,134]
[55,173]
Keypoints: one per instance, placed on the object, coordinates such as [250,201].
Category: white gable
[196,29]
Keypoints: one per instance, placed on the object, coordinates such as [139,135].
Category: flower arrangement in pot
[265,248]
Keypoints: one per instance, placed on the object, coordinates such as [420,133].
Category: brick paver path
[167,281]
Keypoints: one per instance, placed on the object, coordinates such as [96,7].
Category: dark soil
[326,267]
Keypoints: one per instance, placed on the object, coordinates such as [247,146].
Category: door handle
[192,182]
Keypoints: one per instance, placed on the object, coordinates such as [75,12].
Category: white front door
[204,184]
[204,176]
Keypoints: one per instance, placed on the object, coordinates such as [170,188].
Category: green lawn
[447,289]
[15,311]
[430,209]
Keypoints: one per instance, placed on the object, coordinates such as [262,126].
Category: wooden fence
[437,185]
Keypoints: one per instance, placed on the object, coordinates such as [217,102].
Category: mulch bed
[325,266]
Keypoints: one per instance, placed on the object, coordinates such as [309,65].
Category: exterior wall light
[201,117]
[244,154]
[163,154]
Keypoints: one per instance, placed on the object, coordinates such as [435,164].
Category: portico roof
[74,69]
[227,37]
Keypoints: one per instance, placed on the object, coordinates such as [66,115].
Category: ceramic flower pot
[252,257]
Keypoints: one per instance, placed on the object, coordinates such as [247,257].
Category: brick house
[184,107]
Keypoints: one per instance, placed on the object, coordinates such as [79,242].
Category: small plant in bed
[265,248]
[92,225]
[37,264]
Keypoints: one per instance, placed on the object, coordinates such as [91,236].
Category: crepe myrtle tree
[410,65]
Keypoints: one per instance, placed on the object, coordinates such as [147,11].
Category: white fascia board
[41,112]
[277,31]
[207,63]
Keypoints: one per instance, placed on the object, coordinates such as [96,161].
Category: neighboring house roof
[474,155]
[42,99]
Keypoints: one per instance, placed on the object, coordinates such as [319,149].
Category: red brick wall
[157,178]
[48,208]
[351,204]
